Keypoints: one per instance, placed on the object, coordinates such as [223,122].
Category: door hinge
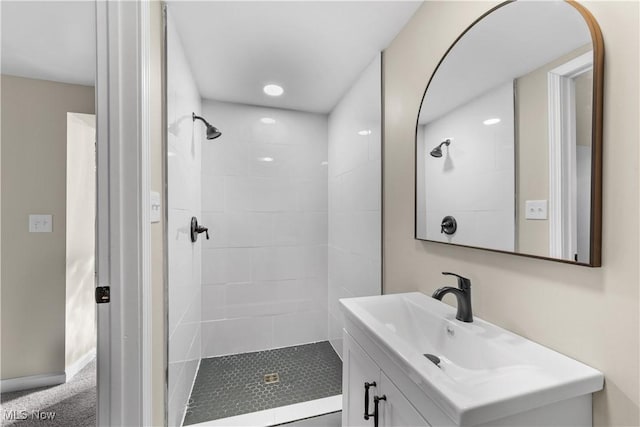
[103,294]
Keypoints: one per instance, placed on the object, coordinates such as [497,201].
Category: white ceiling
[49,40]
[508,43]
[315,50]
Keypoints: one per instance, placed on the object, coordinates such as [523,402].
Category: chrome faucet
[463,295]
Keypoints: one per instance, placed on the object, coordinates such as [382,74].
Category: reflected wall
[474,179]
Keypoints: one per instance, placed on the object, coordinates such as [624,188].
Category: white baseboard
[33,381]
[281,415]
[77,366]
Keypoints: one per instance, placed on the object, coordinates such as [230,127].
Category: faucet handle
[463,282]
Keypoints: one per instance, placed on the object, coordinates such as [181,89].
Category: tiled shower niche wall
[264,199]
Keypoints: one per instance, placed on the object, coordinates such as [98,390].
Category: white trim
[562,155]
[576,66]
[79,364]
[281,415]
[122,161]
[33,381]
[145,141]
[103,232]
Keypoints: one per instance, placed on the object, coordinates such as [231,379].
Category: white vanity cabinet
[397,410]
[484,376]
[359,370]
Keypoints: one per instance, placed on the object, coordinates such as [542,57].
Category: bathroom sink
[484,372]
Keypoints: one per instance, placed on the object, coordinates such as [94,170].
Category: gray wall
[34,153]
[590,314]
[532,107]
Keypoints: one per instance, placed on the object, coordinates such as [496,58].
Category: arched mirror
[509,136]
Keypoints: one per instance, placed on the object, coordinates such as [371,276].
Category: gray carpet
[73,404]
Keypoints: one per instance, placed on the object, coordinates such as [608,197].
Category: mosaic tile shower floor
[232,385]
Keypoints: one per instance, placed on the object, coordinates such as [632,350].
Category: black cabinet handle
[376,413]
[366,399]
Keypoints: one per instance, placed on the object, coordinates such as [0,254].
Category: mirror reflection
[504,136]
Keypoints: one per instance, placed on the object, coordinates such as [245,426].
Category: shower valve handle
[204,230]
[448,225]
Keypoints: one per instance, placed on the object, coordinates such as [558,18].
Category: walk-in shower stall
[290,201]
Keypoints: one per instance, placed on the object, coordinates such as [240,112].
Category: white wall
[264,271]
[354,196]
[184,159]
[80,306]
[474,179]
[590,314]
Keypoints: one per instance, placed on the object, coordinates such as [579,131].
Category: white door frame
[562,156]
[122,248]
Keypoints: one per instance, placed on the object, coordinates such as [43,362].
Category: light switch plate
[154,210]
[40,223]
[536,209]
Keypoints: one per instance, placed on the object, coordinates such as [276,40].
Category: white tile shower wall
[184,158]
[354,196]
[474,179]
[264,198]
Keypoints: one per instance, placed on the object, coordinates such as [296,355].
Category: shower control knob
[197,229]
[448,225]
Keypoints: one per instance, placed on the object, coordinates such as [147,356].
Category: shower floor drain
[272,378]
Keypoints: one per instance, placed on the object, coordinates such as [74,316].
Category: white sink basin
[485,372]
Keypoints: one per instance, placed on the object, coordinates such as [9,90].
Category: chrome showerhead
[437,152]
[212,131]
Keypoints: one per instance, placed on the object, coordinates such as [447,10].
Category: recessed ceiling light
[273,90]
[171,154]
[268,120]
[325,163]
[265,159]
[364,132]
[490,122]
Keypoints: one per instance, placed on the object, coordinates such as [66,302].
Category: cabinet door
[396,410]
[358,369]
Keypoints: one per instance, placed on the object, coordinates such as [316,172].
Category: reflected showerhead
[212,131]
[437,152]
